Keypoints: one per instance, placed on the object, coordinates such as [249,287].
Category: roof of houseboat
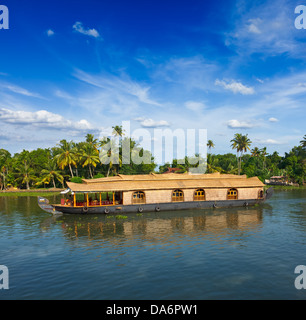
[164,181]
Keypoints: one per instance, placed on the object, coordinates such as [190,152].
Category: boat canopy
[163,182]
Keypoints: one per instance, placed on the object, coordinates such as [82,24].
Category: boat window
[232,194]
[199,195]
[260,194]
[177,195]
[138,197]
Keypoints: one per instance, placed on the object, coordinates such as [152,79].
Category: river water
[245,253]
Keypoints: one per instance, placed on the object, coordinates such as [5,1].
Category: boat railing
[93,203]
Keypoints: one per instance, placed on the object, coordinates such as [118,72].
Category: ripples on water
[244,253]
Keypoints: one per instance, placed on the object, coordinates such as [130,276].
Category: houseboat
[158,192]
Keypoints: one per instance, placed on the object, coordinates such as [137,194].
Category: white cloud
[259,80]
[254,29]
[273,119]
[50,33]
[19,90]
[139,119]
[272,33]
[194,105]
[236,124]
[235,87]
[78,26]
[150,123]
[118,88]
[42,119]
[268,141]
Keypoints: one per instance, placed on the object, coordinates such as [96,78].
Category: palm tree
[241,143]
[109,153]
[263,152]
[25,174]
[210,145]
[244,146]
[236,142]
[90,157]
[50,174]
[255,152]
[66,155]
[5,159]
[118,131]
[213,165]
[303,143]
[90,139]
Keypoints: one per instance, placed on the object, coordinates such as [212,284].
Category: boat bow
[46,206]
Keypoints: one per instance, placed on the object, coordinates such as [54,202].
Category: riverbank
[31,193]
[277,187]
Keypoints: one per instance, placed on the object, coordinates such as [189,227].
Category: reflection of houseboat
[158,192]
[162,227]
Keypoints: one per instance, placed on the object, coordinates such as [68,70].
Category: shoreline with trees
[44,169]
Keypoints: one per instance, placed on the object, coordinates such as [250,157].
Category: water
[245,253]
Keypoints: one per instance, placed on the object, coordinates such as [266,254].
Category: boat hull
[156,207]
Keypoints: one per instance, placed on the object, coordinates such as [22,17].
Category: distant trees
[303,143]
[5,160]
[98,158]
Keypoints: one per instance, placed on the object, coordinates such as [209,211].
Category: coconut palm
[263,152]
[25,174]
[50,174]
[109,154]
[210,145]
[118,131]
[89,157]
[303,142]
[5,159]
[244,146]
[255,152]
[241,143]
[66,155]
[90,139]
[236,142]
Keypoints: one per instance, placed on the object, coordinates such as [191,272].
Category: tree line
[256,163]
[70,161]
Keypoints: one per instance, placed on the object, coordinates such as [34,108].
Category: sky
[68,68]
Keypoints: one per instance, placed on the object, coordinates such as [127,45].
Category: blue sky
[68,68]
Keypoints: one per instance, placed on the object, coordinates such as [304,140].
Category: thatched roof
[164,182]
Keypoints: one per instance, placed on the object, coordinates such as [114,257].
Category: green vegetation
[259,163]
[70,161]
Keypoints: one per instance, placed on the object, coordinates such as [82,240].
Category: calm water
[247,253]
